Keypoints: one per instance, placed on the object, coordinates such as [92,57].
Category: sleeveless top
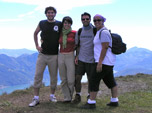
[50,32]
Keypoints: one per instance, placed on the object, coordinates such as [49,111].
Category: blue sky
[132,19]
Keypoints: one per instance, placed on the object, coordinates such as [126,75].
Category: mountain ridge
[135,60]
[21,69]
[16,52]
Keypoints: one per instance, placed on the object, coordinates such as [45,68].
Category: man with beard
[48,53]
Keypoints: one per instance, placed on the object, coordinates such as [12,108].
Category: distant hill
[16,52]
[135,60]
[20,70]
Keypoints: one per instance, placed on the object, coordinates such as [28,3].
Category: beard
[50,18]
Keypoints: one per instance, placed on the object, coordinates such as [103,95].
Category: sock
[78,93]
[36,97]
[51,95]
[91,101]
[114,99]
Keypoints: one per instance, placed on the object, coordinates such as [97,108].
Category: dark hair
[85,13]
[50,8]
[68,19]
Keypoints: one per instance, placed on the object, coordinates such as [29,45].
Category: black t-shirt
[50,33]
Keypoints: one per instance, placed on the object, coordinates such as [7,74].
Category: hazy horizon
[129,18]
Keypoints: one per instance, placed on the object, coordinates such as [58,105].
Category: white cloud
[68,3]
[10,20]
[17,37]
[139,36]
[27,14]
[61,5]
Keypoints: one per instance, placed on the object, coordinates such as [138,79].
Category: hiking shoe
[88,106]
[113,104]
[67,102]
[53,99]
[77,99]
[34,102]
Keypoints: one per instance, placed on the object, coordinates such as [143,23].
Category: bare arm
[77,42]
[39,49]
[105,46]
[77,53]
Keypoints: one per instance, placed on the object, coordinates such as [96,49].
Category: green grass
[133,102]
[135,96]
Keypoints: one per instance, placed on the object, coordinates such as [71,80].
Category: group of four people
[93,56]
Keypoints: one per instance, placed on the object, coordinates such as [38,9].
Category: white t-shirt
[105,36]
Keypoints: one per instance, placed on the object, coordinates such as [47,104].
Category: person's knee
[70,83]
[114,87]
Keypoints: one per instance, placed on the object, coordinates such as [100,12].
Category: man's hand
[99,67]
[39,49]
[76,60]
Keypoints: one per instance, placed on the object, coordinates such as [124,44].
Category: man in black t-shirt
[48,51]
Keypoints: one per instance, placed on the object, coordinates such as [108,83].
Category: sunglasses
[97,20]
[83,19]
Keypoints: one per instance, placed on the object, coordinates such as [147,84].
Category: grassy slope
[135,96]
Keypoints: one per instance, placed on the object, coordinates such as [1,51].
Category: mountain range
[135,60]
[16,52]
[17,68]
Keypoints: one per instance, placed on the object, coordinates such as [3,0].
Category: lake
[10,89]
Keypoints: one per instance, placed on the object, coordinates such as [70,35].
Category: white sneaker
[53,99]
[34,102]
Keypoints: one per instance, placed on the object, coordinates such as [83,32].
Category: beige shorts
[46,60]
